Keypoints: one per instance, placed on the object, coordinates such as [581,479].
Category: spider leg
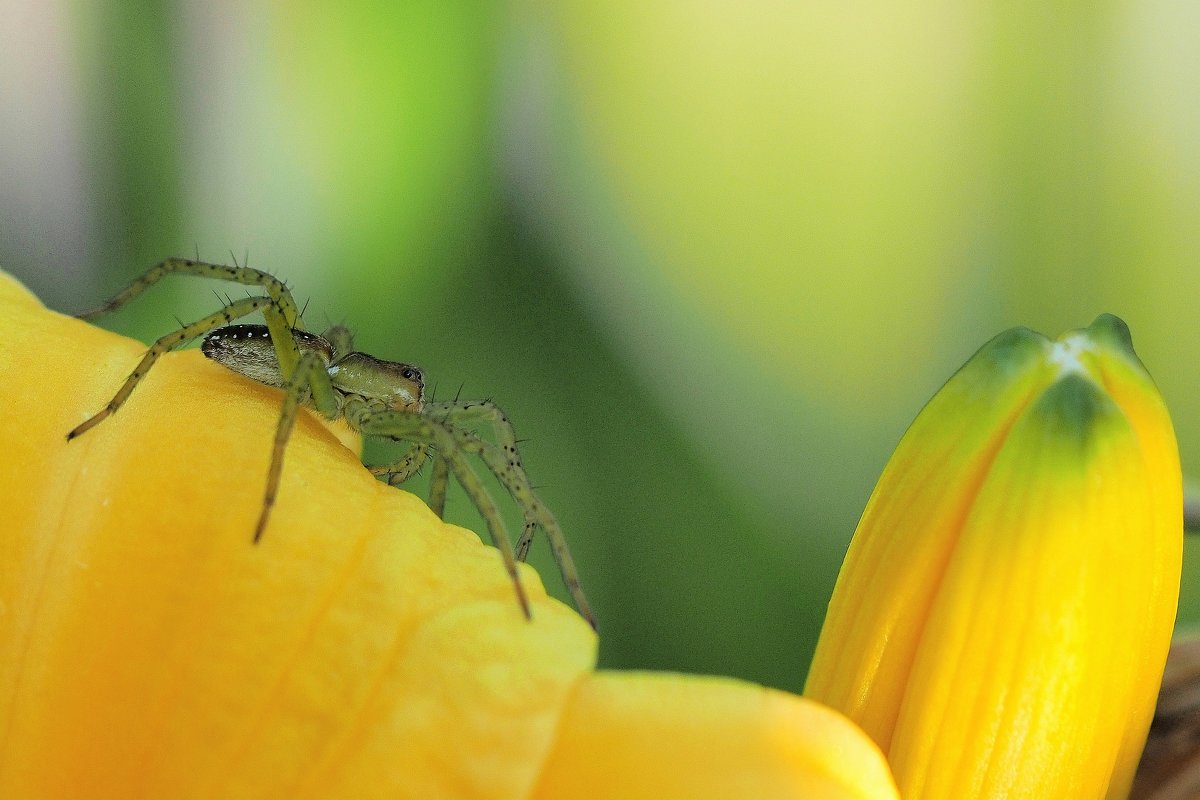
[397,472]
[504,461]
[526,540]
[439,482]
[246,276]
[484,411]
[278,309]
[416,428]
[459,412]
[400,471]
[509,472]
[239,308]
[296,389]
[340,337]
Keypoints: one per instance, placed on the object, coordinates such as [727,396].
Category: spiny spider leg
[278,309]
[469,411]
[526,540]
[340,337]
[439,482]
[239,308]
[417,428]
[246,276]
[283,326]
[310,370]
[462,411]
[282,315]
[397,472]
[507,468]
[504,461]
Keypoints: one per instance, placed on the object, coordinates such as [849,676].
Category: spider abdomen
[248,349]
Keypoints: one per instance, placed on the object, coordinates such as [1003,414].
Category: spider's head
[400,386]
[408,388]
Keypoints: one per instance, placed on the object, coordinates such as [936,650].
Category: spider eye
[411,374]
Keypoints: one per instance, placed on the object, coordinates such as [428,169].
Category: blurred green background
[711,258]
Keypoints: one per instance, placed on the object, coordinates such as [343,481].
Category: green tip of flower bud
[1009,352]
[1111,330]
[1072,409]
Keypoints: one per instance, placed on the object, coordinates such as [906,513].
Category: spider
[376,397]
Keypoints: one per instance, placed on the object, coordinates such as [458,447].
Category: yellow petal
[875,618]
[642,735]
[363,649]
[1002,619]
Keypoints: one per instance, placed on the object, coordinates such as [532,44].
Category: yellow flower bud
[1002,618]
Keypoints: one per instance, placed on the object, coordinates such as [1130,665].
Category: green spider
[376,397]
